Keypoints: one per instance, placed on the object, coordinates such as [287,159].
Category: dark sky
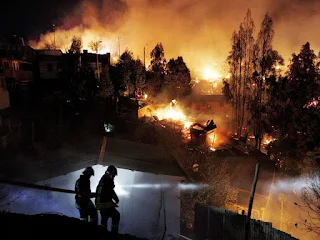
[29,18]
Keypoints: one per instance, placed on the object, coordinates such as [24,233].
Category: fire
[210,74]
[172,112]
[268,139]
[211,141]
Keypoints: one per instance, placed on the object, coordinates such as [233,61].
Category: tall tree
[126,66]
[140,79]
[106,89]
[76,45]
[95,45]
[265,60]
[155,78]
[297,132]
[158,60]
[240,64]
[178,77]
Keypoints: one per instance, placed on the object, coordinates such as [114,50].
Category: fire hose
[40,187]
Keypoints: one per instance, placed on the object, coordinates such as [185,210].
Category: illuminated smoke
[164,186]
[200,31]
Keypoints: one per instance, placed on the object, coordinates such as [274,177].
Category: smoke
[200,31]
[181,186]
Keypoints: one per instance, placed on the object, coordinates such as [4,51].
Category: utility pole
[144,56]
[253,189]
[97,51]
[54,36]
[119,46]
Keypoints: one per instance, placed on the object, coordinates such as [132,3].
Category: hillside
[51,226]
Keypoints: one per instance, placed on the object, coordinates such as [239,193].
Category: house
[49,64]
[242,171]
[91,59]
[204,107]
[16,67]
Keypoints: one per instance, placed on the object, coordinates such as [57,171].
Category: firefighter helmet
[88,171]
[113,170]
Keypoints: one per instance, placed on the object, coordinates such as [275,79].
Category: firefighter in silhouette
[83,195]
[107,199]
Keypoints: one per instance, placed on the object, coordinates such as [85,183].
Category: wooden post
[32,134]
[102,150]
[253,189]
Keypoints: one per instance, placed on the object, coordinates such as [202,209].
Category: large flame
[171,112]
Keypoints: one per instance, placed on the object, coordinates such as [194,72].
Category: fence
[221,224]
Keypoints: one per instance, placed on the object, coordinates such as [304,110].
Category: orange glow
[268,139]
[172,112]
[210,74]
[211,141]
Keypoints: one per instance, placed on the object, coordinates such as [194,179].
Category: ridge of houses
[21,66]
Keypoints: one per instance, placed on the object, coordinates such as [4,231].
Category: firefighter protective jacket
[105,193]
[82,187]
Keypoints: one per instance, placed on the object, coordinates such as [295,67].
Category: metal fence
[221,224]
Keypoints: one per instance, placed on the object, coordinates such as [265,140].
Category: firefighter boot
[115,231]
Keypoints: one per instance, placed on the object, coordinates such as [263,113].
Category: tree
[140,76]
[76,45]
[178,77]
[295,100]
[310,197]
[240,61]
[85,83]
[155,79]
[106,87]
[126,66]
[158,61]
[265,60]
[95,45]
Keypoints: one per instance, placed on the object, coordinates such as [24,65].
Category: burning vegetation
[173,116]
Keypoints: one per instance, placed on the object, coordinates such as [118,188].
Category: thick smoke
[200,31]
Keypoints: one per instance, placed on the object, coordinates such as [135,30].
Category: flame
[211,74]
[268,139]
[211,141]
[172,112]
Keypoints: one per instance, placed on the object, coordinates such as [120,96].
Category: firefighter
[107,199]
[83,195]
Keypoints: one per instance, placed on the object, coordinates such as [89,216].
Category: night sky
[29,18]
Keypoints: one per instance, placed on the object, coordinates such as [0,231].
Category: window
[6,65]
[49,67]
[15,66]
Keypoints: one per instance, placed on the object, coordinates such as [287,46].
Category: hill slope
[51,226]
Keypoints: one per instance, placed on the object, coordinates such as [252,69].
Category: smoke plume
[200,31]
